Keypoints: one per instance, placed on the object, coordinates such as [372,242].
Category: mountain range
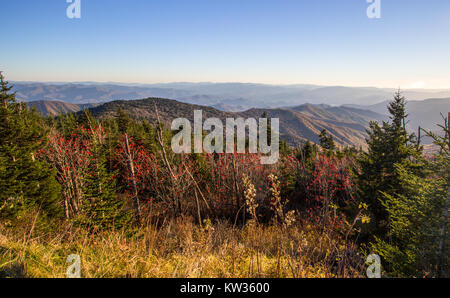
[223,96]
[48,107]
[426,114]
[297,124]
[300,107]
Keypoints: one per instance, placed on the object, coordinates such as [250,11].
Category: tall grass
[178,248]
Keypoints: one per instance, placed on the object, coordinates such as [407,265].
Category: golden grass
[178,249]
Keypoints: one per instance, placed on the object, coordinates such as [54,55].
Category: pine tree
[26,181]
[417,244]
[66,124]
[326,141]
[415,219]
[388,145]
[123,120]
[307,152]
[102,208]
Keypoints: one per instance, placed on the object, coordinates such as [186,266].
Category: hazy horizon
[219,82]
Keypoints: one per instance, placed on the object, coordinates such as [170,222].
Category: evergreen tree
[123,121]
[388,145]
[415,219]
[306,152]
[417,243]
[102,207]
[25,181]
[326,141]
[66,124]
[284,148]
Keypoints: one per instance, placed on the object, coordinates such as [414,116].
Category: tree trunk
[137,208]
[442,237]
[444,224]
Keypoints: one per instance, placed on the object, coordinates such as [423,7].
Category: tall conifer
[388,145]
[25,180]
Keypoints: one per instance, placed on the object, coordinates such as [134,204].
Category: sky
[324,42]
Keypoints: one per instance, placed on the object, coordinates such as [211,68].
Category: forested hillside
[55,108]
[297,125]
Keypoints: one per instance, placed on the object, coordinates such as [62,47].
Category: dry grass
[178,249]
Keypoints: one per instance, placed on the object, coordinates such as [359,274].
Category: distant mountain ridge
[426,113]
[224,96]
[298,124]
[54,108]
[348,107]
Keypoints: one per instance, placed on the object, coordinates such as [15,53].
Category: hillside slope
[298,124]
[54,108]
[426,113]
[305,122]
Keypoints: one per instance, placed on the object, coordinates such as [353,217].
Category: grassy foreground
[178,249]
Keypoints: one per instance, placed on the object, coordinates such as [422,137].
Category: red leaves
[330,176]
[219,176]
[331,185]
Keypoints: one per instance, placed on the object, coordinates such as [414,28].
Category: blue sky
[329,42]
